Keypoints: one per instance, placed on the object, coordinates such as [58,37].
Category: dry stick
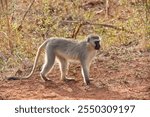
[72,36]
[8,24]
[29,7]
[103,25]
[114,27]
[2,5]
[10,45]
[147,23]
[76,31]
[147,13]
[107,8]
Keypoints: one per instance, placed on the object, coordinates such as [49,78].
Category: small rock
[69,90]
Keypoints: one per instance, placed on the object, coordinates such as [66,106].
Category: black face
[97,45]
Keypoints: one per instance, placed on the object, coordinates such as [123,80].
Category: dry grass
[47,16]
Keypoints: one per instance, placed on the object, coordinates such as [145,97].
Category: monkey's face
[94,41]
[97,45]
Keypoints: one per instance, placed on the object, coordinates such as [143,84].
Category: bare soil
[120,73]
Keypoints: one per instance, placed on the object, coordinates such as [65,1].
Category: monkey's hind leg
[48,64]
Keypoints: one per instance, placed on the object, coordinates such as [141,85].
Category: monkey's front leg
[85,73]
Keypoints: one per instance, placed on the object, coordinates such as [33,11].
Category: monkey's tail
[34,65]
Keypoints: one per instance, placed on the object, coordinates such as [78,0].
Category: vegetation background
[24,22]
[122,24]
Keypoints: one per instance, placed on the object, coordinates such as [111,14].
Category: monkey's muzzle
[97,45]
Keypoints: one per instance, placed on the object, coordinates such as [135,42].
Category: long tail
[34,65]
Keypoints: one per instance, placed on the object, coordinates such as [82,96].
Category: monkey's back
[69,49]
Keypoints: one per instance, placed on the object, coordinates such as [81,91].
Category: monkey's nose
[97,47]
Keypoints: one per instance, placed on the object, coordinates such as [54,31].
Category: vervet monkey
[66,51]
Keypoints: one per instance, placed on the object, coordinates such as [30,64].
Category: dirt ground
[121,73]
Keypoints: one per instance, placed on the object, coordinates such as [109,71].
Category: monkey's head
[94,41]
